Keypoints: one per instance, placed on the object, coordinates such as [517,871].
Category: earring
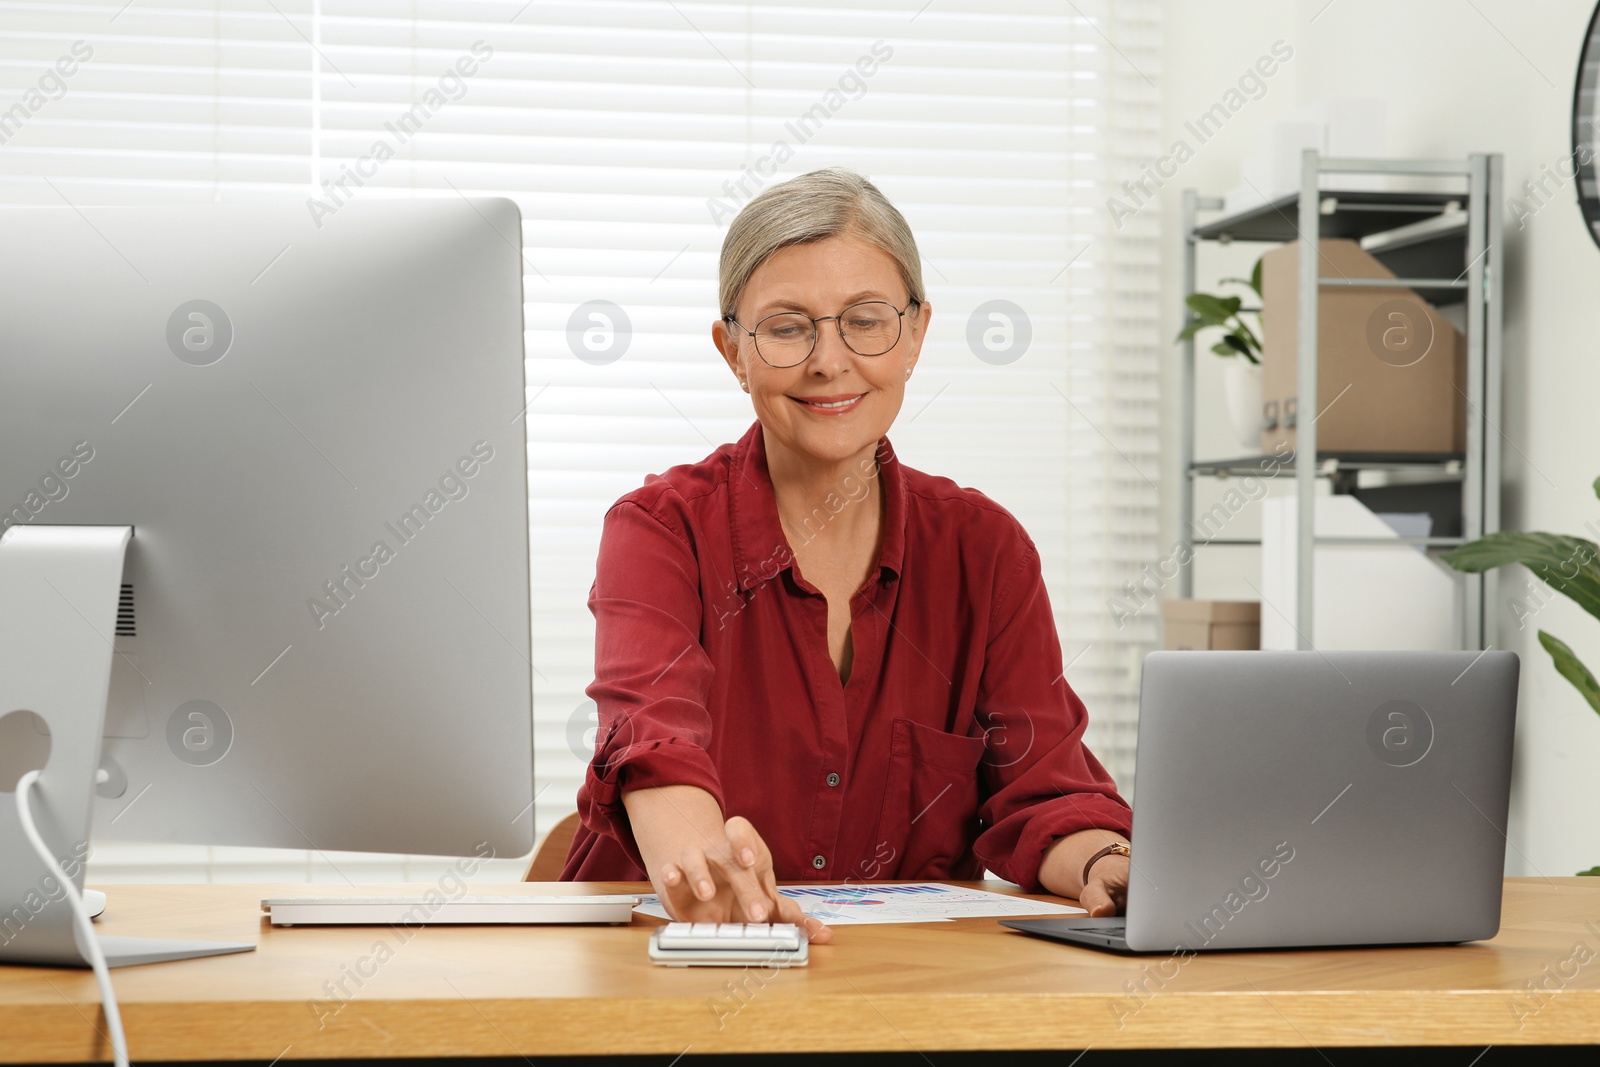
[908,374]
[745,386]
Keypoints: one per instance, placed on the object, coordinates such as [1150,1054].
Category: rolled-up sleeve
[652,677]
[1040,782]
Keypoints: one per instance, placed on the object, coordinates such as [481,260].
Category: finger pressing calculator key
[729,945]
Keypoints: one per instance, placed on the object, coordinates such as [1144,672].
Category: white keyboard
[729,945]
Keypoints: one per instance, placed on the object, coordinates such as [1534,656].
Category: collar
[760,549]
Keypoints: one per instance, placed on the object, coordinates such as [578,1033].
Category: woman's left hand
[1107,890]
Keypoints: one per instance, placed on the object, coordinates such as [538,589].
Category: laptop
[1314,799]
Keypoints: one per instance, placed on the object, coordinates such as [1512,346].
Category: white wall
[1491,76]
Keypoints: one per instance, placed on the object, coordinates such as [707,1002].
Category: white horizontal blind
[629,133]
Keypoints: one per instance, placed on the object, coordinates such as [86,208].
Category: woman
[813,662]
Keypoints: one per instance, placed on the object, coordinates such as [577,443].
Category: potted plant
[1239,345]
[1567,565]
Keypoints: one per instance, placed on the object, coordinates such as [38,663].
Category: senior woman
[813,662]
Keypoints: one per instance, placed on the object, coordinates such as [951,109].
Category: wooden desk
[970,984]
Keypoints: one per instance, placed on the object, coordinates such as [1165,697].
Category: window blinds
[630,132]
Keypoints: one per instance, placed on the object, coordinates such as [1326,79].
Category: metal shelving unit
[1444,244]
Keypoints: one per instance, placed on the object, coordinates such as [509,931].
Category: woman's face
[818,279]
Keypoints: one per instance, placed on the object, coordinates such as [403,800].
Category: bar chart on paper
[897,902]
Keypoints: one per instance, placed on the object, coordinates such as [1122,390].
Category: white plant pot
[1241,383]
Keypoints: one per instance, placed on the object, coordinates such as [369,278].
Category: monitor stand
[59,587]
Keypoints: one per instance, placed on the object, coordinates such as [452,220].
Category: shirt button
[818,862]
[833,779]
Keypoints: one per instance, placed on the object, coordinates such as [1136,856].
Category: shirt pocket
[930,802]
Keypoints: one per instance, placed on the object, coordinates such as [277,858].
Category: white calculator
[729,945]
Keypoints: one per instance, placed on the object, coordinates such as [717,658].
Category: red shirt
[956,743]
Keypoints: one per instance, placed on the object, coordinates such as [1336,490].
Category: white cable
[80,915]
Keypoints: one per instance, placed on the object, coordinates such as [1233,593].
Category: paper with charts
[897,902]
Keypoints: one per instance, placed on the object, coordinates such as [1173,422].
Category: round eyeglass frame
[816,330]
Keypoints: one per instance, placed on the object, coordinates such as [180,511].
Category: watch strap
[1116,848]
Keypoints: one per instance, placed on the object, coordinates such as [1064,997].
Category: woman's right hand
[729,878]
[706,868]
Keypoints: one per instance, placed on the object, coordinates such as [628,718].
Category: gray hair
[814,206]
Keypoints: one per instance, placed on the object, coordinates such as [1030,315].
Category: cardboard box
[1391,371]
[1211,624]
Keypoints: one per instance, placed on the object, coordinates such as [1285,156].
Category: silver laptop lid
[1307,798]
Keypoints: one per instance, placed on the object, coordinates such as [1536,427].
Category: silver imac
[264,560]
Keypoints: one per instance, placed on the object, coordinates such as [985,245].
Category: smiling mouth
[829,405]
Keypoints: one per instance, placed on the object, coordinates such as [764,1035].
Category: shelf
[1415,235]
[1447,247]
[1435,247]
[1329,463]
[1420,542]
[1355,214]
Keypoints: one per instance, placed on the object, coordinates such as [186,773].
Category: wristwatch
[1117,848]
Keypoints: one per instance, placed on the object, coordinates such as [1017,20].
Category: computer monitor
[313,425]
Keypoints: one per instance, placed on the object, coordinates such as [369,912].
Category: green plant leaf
[1190,330]
[1566,564]
[1216,309]
[1590,871]
[1237,343]
[1240,328]
[1223,349]
[1254,281]
[1572,669]
[1244,342]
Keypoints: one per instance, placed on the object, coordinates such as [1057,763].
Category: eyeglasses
[788,338]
